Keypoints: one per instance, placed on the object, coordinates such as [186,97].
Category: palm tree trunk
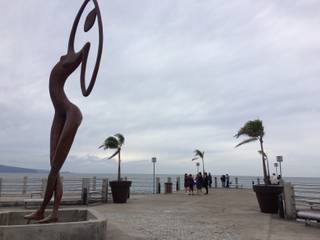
[265,174]
[202,166]
[119,162]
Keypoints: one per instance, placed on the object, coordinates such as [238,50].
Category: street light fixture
[276,166]
[154,160]
[198,164]
[280,160]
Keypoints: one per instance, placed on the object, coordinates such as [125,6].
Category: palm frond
[251,129]
[114,154]
[198,153]
[120,138]
[196,158]
[110,142]
[247,141]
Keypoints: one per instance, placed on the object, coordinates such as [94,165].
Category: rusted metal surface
[67,117]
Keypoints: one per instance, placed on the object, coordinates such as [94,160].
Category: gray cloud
[175,76]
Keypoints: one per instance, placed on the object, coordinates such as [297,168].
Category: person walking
[205,182]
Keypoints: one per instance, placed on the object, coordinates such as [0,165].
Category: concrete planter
[73,224]
[120,191]
[267,196]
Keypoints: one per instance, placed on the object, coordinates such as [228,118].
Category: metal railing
[307,195]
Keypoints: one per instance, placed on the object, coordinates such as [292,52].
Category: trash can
[168,187]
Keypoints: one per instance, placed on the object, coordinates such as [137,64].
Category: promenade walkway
[224,214]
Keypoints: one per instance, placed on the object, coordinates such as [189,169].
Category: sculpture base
[73,224]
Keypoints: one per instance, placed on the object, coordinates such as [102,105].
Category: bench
[312,203]
[309,215]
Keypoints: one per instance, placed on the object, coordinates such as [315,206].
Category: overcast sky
[176,75]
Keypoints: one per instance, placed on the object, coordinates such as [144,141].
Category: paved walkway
[224,214]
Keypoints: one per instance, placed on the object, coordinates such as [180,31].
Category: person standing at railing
[210,180]
[223,180]
[190,184]
[227,181]
[273,179]
[186,185]
[199,182]
[205,182]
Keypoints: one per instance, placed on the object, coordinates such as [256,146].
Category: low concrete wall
[74,224]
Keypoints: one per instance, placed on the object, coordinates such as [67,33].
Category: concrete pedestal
[80,224]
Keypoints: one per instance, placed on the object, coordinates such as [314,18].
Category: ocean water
[141,183]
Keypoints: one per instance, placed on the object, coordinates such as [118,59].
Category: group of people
[200,181]
[225,181]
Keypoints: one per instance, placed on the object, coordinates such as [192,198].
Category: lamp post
[276,166]
[280,160]
[154,160]
[198,164]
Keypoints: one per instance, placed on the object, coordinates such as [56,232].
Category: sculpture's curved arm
[86,91]
[75,26]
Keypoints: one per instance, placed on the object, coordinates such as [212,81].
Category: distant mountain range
[11,169]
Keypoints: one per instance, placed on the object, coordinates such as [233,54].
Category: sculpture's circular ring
[87,91]
[86,48]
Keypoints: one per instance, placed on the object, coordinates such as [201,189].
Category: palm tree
[255,131]
[114,142]
[198,153]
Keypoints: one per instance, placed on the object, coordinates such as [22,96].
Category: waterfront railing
[307,195]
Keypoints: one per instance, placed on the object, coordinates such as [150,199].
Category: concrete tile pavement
[224,214]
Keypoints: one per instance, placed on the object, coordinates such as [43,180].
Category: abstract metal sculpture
[67,117]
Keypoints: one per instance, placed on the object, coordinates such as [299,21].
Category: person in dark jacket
[205,182]
[223,180]
[186,185]
[199,182]
[190,184]
[210,180]
[227,181]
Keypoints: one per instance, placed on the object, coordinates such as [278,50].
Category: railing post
[94,183]
[236,182]
[85,191]
[105,189]
[168,186]
[215,182]
[258,181]
[24,185]
[158,185]
[43,186]
[126,179]
[0,186]
[289,201]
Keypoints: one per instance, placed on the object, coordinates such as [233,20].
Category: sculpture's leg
[65,142]
[56,130]
[58,191]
